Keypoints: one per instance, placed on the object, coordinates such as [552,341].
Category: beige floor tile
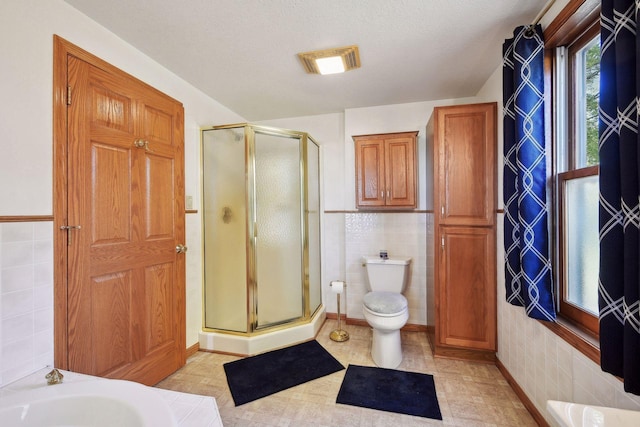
[470,394]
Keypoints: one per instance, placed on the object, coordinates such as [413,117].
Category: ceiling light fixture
[331,61]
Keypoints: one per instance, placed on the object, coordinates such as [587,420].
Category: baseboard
[463,354]
[409,327]
[431,336]
[192,350]
[537,416]
[334,316]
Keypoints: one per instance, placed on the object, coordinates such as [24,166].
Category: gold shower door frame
[253,326]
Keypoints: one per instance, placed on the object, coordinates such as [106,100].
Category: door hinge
[68,95]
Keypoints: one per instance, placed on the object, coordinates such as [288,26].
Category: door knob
[181,249]
[142,143]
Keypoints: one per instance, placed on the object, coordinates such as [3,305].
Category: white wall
[26,46]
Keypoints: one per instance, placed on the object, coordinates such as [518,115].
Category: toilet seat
[385,304]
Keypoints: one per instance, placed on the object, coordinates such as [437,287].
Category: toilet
[385,308]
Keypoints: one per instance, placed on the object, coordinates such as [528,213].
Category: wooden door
[466,164]
[370,185]
[400,160]
[125,314]
[466,307]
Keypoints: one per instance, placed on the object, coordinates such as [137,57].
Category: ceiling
[243,53]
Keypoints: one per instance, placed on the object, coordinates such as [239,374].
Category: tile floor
[470,394]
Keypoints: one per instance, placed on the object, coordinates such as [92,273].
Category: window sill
[579,340]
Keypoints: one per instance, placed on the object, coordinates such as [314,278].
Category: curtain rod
[544,10]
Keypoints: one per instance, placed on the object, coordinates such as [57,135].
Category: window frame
[587,30]
[578,317]
[592,30]
[574,21]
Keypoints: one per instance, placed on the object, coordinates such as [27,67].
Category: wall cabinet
[464,153]
[386,170]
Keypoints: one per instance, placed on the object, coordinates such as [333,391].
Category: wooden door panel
[111,189]
[371,176]
[467,297]
[400,159]
[466,165]
[137,254]
[397,170]
[111,315]
[110,109]
[159,197]
[158,126]
[159,308]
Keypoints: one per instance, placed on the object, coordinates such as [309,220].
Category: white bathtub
[97,403]
[92,401]
[566,414]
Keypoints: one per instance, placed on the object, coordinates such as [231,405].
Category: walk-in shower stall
[261,228]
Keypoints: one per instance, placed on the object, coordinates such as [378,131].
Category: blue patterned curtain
[526,237]
[619,193]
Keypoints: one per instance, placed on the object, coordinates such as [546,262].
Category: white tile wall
[26,298]
[333,267]
[348,237]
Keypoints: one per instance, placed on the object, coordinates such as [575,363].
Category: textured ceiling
[242,53]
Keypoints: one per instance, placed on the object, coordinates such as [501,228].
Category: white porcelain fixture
[385,308]
[99,403]
[566,414]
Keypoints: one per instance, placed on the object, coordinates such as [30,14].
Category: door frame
[61,49]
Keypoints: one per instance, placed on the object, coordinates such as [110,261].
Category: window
[576,77]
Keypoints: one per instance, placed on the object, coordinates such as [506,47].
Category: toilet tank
[389,275]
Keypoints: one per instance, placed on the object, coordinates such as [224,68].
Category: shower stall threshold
[251,345]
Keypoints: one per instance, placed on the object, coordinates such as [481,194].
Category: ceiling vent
[338,60]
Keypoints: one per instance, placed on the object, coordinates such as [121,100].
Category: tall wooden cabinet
[464,155]
[386,170]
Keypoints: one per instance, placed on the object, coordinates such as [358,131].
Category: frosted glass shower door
[278,229]
[224,229]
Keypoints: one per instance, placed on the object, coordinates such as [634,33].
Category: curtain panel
[526,236]
[619,284]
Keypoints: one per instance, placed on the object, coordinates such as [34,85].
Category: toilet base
[386,348]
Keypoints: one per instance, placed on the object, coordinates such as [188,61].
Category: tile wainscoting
[544,365]
[26,298]
[348,236]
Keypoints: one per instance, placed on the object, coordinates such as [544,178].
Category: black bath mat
[259,376]
[390,390]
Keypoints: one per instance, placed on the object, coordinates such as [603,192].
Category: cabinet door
[467,288]
[400,171]
[465,138]
[370,185]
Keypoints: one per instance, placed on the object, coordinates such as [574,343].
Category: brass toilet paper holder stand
[338,335]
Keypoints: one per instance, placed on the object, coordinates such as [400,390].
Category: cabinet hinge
[68,95]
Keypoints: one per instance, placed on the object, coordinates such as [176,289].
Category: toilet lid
[385,302]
